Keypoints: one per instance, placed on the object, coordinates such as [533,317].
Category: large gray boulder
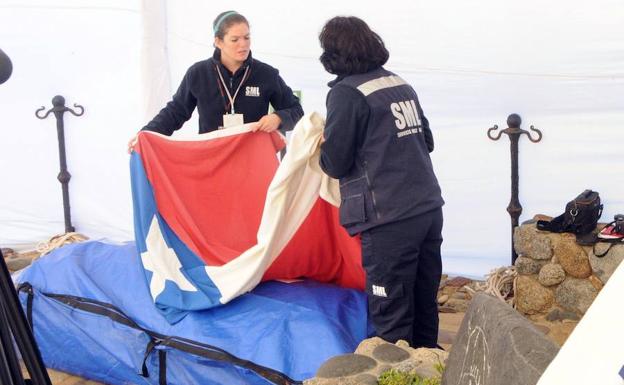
[495,345]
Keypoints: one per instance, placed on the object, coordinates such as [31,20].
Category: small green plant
[395,377]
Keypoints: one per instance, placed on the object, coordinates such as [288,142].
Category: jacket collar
[336,81]
[216,56]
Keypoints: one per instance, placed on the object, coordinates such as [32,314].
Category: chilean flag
[216,214]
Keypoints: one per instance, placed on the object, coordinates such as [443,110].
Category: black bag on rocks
[580,217]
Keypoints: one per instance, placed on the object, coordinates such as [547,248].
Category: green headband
[221,19]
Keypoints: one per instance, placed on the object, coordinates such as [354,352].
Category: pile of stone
[454,294]
[375,356]
[558,278]
[17,261]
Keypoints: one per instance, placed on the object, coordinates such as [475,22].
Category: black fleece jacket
[201,88]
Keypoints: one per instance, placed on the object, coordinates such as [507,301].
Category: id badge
[230,120]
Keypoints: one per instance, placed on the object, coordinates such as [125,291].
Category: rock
[345,365]
[531,297]
[408,365]
[426,371]
[540,217]
[605,266]
[596,282]
[448,290]
[560,315]
[572,257]
[532,243]
[402,344]
[496,345]
[366,379]
[528,266]
[17,263]
[457,304]
[551,274]
[7,252]
[542,328]
[332,381]
[575,294]
[446,309]
[367,346]
[382,368]
[428,356]
[458,282]
[390,353]
[460,295]
[442,299]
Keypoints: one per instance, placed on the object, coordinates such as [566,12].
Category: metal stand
[13,323]
[514,132]
[64,176]
[14,326]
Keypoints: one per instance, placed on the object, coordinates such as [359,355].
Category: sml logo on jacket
[252,91]
[406,116]
[379,291]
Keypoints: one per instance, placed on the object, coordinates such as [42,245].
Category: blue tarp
[93,316]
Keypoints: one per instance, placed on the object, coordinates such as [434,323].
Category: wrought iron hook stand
[59,108]
[514,132]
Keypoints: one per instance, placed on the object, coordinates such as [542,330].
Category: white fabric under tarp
[559,64]
[593,353]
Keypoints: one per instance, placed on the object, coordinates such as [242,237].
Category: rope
[59,240]
[500,283]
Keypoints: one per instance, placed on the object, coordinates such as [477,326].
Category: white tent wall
[559,64]
[87,52]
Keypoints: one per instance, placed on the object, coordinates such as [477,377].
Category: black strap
[148,350]
[162,367]
[156,339]
[27,288]
[97,307]
[217,354]
[556,225]
[606,251]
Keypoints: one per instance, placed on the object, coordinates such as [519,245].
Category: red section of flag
[322,250]
[212,194]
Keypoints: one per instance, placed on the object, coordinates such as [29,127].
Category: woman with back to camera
[230,88]
[377,143]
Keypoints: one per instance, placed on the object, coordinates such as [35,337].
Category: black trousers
[403,268]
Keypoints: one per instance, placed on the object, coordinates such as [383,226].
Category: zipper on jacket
[370,188]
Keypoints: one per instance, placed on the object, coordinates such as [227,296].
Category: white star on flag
[162,262]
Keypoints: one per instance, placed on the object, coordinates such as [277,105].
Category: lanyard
[227,90]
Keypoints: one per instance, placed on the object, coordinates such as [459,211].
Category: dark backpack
[580,217]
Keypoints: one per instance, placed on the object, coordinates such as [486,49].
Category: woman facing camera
[230,88]
[377,142]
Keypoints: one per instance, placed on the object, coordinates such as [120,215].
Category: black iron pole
[514,132]
[59,108]
[10,371]
[20,329]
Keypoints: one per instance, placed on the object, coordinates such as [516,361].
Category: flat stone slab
[345,365]
[366,379]
[495,345]
[390,353]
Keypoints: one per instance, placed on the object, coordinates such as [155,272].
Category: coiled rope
[59,240]
[500,282]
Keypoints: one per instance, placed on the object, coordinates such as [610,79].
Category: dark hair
[351,47]
[225,20]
